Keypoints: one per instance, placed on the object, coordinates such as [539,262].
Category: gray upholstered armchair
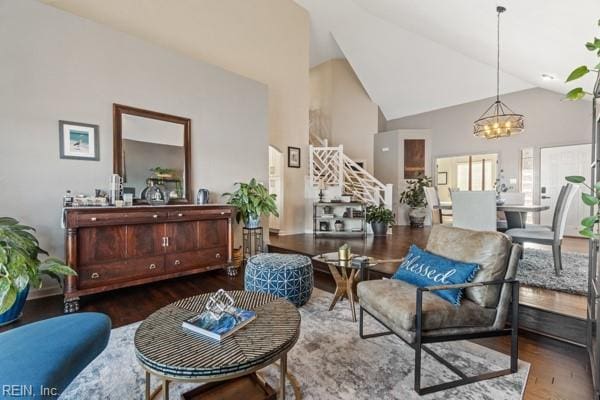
[419,317]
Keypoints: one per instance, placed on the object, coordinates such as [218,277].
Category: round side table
[171,353]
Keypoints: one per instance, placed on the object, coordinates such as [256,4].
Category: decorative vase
[343,254]
[417,215]
[339,226]
[253,222]
[379,228]
[16,310]
[155,196]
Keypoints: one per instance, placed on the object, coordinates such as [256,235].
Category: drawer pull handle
[93,219]
[155,216]
[177,262]
[152,266]
[218,255]
[222,212]
[180,215]
[95,275]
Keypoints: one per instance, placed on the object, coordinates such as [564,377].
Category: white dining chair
[474,210]
[513,198]
[433,204]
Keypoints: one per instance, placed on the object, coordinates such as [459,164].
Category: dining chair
[474,210]
[559,203]
[433,203]
[549,237]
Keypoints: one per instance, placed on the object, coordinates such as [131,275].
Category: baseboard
[44,292]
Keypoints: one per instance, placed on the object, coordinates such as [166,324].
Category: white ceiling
[414,56]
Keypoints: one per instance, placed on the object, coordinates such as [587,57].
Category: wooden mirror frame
[119,110]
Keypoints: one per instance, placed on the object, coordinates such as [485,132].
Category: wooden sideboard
[111,248]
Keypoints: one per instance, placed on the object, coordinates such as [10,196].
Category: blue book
[219,329]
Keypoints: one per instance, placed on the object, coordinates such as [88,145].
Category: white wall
[59,66]
[389,164]
[549,121]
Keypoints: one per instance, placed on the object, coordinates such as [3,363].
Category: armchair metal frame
[421,340]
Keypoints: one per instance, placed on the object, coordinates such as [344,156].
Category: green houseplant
[21,267]
[590,226]
[380,219]
[414,197]
[252,200]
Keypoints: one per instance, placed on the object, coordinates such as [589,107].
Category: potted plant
[380,219]
[252,200]
[414,197]
[20,267]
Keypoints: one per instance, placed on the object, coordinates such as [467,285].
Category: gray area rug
[330,361]
[537,269]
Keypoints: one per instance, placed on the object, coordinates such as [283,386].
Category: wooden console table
[111,247]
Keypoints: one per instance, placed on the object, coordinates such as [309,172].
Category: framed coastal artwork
[78,141]
[294,157]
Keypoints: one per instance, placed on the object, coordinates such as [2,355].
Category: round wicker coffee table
[172,353]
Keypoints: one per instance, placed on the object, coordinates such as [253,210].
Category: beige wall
[266,40]
[350,117]
[549,121]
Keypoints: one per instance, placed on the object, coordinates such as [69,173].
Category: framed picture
[294,157]
[442,178]
[78,141]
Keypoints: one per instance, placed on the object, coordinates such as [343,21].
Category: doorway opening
[556,163]
[276,185]
[468,173]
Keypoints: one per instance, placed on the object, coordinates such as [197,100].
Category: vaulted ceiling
[414,56]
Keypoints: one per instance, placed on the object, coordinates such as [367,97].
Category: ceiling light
[548,77]
[505,122]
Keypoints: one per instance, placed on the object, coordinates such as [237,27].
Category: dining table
[516,214]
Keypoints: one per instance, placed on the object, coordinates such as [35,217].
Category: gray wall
[59,66]
[549,121]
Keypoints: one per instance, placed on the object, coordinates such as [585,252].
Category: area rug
[537,269]
[329,362]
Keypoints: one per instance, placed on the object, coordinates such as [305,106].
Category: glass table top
[356,260]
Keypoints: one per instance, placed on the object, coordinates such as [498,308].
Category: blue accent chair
[284,275]
[49,354]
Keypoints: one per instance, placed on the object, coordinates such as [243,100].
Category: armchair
[419,317]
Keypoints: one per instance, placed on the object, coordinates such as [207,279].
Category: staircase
[336,170]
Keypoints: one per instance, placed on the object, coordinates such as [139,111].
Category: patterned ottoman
[284,275]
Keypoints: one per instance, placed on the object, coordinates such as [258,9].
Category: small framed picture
[78,141]
[294,157]
[442,178]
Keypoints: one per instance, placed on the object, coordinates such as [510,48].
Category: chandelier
[498,120]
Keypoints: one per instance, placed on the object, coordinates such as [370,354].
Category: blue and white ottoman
[283,275]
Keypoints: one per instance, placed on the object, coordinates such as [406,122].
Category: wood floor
[558,370]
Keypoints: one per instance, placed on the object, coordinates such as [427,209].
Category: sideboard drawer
[117,218]
[182,215]
[101,274]
[196,259]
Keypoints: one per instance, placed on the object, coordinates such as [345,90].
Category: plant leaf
[575,179]
[590,46]
[588,222]
[578,73]
[587,233]
[575,94]
[589,199]
[8,294]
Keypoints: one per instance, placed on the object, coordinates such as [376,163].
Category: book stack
[219,327]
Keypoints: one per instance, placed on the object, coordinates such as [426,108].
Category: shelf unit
[338,209]
[593,329]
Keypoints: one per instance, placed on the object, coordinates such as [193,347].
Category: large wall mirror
[152,148]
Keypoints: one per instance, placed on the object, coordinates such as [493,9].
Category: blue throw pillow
[422,268]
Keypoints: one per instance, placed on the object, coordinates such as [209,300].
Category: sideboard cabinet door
[102,244]
[145,240]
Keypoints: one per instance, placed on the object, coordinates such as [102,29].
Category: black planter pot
[379,228]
